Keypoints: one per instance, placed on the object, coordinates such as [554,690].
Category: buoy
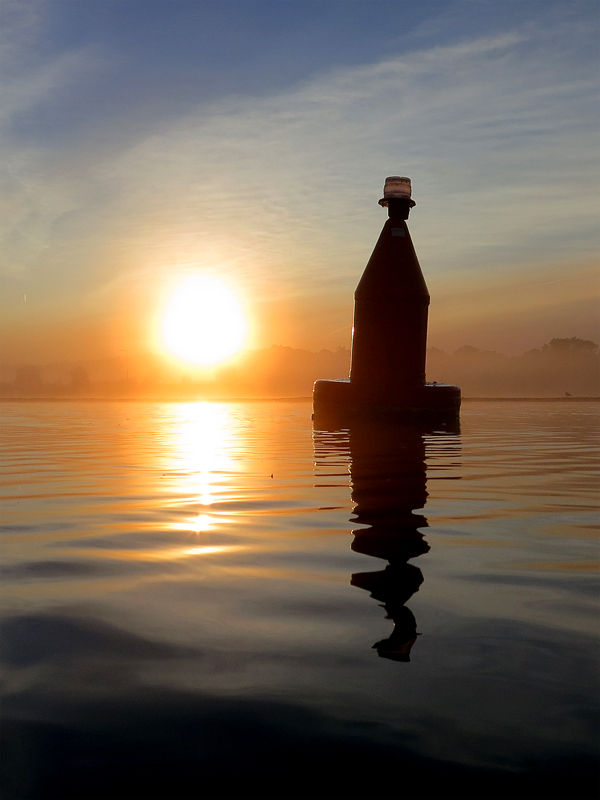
[389,335]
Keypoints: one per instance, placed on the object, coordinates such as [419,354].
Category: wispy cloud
[500,150]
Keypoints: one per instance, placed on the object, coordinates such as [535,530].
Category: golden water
[185,556]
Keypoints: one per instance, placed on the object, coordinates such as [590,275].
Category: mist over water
[215,600]
[563,366]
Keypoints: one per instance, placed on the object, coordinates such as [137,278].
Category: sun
[204,322]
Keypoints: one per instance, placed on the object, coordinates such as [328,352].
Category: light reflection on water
[224,553]
[199,461]
[201,452]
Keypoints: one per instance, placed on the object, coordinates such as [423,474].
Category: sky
[147,141]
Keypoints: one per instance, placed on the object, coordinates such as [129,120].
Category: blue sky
[146,140]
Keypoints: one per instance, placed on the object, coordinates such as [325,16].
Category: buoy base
[340,400]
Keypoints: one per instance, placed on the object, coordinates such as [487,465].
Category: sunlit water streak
[207,549]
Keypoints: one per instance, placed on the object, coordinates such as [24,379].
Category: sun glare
[204,322]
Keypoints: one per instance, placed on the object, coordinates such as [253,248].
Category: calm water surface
[214,600]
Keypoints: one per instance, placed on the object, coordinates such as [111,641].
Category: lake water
[212,600]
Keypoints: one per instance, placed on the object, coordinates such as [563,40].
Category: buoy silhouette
[389,336]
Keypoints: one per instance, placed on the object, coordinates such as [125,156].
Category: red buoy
[389,337]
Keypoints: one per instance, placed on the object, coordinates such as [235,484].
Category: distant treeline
[561,367]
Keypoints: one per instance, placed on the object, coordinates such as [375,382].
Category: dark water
[207,600]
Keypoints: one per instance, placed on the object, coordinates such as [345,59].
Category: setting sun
[204,322]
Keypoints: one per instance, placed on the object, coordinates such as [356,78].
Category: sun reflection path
[203,443]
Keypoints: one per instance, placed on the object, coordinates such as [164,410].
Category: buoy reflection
[389,483]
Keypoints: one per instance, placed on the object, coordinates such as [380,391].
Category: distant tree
[572,345]
[435,352]
[564,367]
[28,379]
[80,379]
[468,351]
